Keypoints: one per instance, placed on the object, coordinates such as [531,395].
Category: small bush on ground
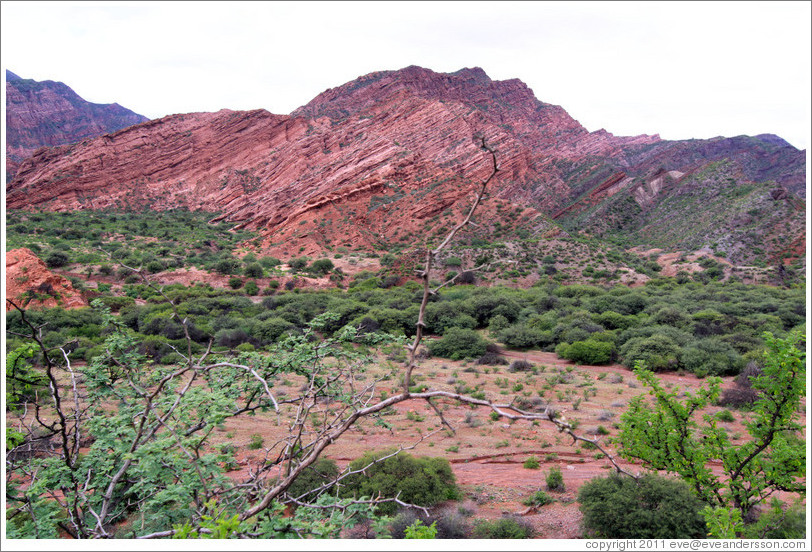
[503,528]
[619,507]
[319,473]
[555,480]
[459,343]
[538,499]
[423,481]
[531,463]
[492,359]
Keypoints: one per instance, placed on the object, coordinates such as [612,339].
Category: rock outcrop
[48,113]
[30,284]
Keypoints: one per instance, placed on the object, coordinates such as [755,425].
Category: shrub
[555,480]
[503,528]
[659,352]
[725,416]
[520,366]
[226,266]
[419,531]
[422,481]
[321,267]
[253,270]
[587,352]
[449,525]
[538,499]
[492,359]
[531,463]
[297,264]
[459,343]
[235,283]
[466,277]
[521,336]
[737,397]
[497,324]
[619,507]
[710,356]
[251,288]
[56,259]
[256,442]
[316,475]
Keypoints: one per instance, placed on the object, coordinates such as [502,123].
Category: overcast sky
[680,69]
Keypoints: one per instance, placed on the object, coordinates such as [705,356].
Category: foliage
[538,499]
[316,476]
[532,463]
[503,528]
[423,481]
[555,479]
[459,343]
[664,433]
[652,506]
[419,531]
[587,352]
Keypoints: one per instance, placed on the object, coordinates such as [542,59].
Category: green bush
[321,267]
[256,442]
[269,262]
[422,481]
[419,531]
[503,528]
[56,259]
[531,463]
[316,475]
[251,288]
[555,480]
[538,499]
[620,507]
[235,283]
[713,357]
[459,343]
[658,352]
[253,270]
[521,336]
[587,352]
[725,416]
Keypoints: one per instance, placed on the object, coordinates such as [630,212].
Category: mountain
[48,113]
[391,158]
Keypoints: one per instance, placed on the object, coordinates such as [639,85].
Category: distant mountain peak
[50,113]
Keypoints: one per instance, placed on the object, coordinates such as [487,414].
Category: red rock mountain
[45,114]
[375,161]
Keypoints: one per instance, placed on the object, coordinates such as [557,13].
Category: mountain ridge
[375,161]
[49,113]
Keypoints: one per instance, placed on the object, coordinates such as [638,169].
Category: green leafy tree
[665,432]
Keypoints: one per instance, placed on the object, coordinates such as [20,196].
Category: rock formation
[375,162]
[30,284]
[48,113]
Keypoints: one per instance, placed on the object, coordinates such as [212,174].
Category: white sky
[680,69]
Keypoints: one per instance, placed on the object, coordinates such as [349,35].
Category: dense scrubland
[150,377]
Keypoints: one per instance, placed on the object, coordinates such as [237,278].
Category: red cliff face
[46,114]
[374,161]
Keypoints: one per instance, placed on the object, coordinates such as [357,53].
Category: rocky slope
[48,113]
[379,161]
[29,283]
